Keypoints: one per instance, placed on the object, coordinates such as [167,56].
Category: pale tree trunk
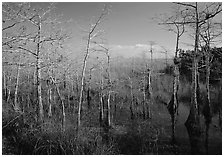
[132,101]
[193,121]
[144,99]
[4,85]
[38,74]
[174,100]
[108,110]
[82,86]
[149,78]
[207,107]
[101,99]
[90,37]
[109,90]
[149,94]
[9,90]
[49,100]
[16,105]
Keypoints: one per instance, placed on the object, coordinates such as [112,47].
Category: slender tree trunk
[149,95]
[38,74]
[82,80]
[108,109]
[144,101]
[174,99]
[4,85]
[109,88]
[49,101]
[131,105]
[193,121]
[207,106]
[101,118]
[9,90]
[16,105]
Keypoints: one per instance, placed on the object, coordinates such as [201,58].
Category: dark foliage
[216,65]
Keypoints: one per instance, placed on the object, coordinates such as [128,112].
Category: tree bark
[38,74]
[109,89]
[82,80]
[193,121]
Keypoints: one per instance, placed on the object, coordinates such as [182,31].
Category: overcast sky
[128,28]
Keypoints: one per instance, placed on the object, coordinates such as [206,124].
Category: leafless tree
[32,37]
[210,31]
[198,18]
[92,33]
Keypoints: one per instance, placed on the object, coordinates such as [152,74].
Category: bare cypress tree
[193,121]
[173,104]
[185,18]
[91,34]
[31,42]
[208,34]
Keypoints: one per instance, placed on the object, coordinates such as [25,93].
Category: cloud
[121,46]
[136,50]
[142,46]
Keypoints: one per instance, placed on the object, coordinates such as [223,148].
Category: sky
[128,29]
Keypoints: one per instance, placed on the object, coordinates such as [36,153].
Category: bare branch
[27,50]
[185,4]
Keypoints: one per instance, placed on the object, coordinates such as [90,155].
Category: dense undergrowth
[22,135]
